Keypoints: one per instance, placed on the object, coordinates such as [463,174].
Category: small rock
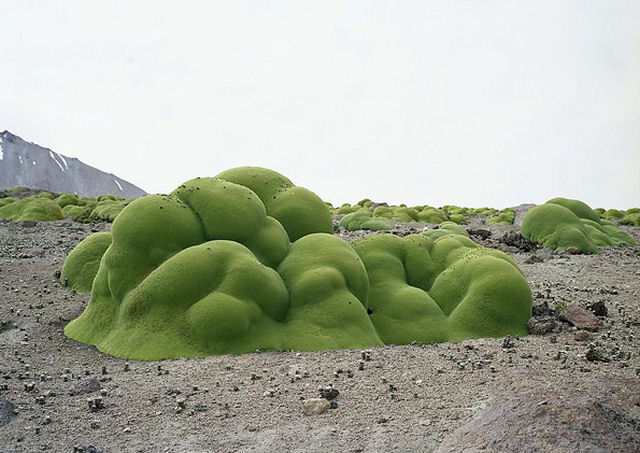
[95,404]
[580,318]
[599,308]
[595,355]
[583,335]
[315,406]
[533,259]
[507,343]
[6,411]
[545,253]
[515,239]
[328,393]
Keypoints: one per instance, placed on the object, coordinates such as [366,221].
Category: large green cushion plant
[563,223]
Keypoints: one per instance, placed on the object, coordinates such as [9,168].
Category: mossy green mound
[613,214]
[444,229]
[432,215]
[207,270]
[446,289]
[457,218]
[362,220]
[396,213]
[36,208]
[631,219]
[106,210]
[299,210]
[81,266]
[5,201]
[561,223]
[504,217]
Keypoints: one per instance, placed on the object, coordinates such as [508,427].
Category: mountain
[30,165]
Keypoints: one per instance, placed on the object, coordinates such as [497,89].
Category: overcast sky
[472,103]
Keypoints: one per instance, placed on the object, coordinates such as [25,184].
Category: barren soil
[567,390]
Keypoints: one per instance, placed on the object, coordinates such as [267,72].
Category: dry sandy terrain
[567,390]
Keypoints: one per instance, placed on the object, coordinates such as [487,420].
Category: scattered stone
[382,420]
[596,355]
[583,335]
[95,404]
[479,233]
[515,239]
[366,355]
[328,392]
[579,317]
[533,259]
[315,406]
[545,253]
[6,411]
[541,326]
[599,308]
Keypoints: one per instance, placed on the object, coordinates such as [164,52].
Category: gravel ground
[562,390]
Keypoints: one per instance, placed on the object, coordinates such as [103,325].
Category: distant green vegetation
[562,223]
[363,220]
[45,206]
[504,217]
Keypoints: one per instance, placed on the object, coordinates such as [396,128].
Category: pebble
[315,406]
[328,392]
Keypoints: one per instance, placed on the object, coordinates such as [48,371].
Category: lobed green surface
[246,261]
[563,223]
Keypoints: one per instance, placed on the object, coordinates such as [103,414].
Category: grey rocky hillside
[30,165]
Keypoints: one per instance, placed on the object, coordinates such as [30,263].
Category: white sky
[425,102]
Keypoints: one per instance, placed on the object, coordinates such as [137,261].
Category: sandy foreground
[566,390]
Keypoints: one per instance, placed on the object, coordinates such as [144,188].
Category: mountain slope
[29,165]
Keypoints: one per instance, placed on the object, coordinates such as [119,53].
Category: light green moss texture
[81,266]
[362,220]
[245,261]
[443,289]
[562,223]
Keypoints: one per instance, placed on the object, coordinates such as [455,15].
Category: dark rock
[515,239]
[6,325]
[595,355]
[599,308]
[541,309]
[328,393]
[541,326]
[579,317]
[6,411]
[479,233]
[534,259]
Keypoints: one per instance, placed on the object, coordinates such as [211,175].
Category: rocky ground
[564,389]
